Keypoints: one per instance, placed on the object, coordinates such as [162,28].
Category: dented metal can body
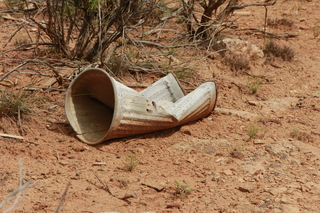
[100,108]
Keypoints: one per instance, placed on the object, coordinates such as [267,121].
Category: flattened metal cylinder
[100,108]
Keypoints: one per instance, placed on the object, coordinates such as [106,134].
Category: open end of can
[89,105]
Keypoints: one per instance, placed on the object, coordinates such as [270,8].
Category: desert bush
[85,29]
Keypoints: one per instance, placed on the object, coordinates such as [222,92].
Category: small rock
[277,191]
[204,181]
[173,205]
[61,140]
[154,185]
[227,172]
[237,154]
[259,141]
[247,187]
[63,162]
[88,188]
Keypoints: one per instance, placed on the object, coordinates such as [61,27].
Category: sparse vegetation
[236,62]
[285,52]
[124,183]
[237,152]
[252,130]
[283,22]
[182,189]
[301,136]
[13,103]
[254,83]
[21,41]
[131,162]
[14,4]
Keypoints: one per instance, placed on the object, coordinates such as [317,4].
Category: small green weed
[252,130]
[182,189]
[286,53]
[131,162]
[254,83]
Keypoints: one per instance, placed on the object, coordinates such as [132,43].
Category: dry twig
[286,35]
[19,192]
[59,208]
[106,187]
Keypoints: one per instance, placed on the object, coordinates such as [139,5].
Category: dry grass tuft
[236,62]
[277,23]
[285,52]
[13,103]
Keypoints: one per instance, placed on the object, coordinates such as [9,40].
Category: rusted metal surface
[100,108]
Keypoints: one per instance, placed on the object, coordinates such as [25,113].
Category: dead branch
[11,136]
[152,44]
[57,75]
[19,192]
[286,35]
[106,187]
[237,7]
[11,71]
[315,108]
[316,133]
[59,208]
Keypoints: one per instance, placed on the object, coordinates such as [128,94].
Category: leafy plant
[131,162]
[252,130]
[182,189]
[254,83]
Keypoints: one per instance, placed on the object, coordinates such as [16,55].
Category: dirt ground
[276,171]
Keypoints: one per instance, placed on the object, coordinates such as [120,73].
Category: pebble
[247,187]
[227,172]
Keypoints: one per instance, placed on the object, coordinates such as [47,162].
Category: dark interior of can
[91,105]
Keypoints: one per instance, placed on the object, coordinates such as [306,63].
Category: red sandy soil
[276,171]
